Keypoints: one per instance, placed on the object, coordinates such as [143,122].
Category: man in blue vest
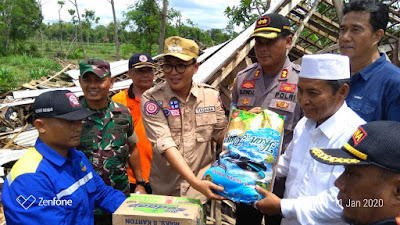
[52,183]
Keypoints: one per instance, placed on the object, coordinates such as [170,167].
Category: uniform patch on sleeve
[151,107]
[288,87]
[175,112]
[248,84]
[174,104]
[282,105]
[245,101]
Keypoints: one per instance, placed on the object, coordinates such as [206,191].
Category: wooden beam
[338,4]
[11,141]
[303,50]
[314,29]
[240,55]
[321,17]
[327,28]
[288,7]
[330,48]
[62,71]
[248,61]
[304,21]
[227,94]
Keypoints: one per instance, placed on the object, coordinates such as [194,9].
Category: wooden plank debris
[10,142]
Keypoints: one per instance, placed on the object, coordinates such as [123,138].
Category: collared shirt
[375,91]
[44,187]
[106,137]
[310,195]
[132,102]
[187,124]
[280,96]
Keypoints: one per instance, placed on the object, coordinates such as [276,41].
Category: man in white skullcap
[310,194]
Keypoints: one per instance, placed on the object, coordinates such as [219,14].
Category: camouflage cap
[95,65]
[181,48]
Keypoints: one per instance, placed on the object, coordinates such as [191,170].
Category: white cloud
[206,14]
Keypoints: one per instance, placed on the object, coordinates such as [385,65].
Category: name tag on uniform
[282,105]
[205,110]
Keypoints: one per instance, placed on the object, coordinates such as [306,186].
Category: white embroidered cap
[325,67]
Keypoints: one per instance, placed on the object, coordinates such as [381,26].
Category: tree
[194,33]
[115,30]
[74,21]
[60,6]
[163,27]
[243,14]
[19,20]
[75,31]
[231,31]
[144,18]
[41,29]
[218,36]
[80,26]
[89,18]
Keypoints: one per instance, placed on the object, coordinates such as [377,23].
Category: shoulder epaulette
[247,69]
[296,67]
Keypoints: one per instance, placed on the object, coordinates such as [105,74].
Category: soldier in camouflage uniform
[108,138]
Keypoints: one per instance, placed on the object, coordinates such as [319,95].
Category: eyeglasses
[180,68]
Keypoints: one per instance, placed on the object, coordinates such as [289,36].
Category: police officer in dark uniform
[270,83]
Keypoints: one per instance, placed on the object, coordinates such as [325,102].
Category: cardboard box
[158,210]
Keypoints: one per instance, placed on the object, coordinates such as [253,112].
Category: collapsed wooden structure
[315,29]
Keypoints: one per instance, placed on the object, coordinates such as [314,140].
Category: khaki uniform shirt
[187,125]
[280,96]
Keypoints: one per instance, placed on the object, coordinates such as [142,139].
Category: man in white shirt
[310,194]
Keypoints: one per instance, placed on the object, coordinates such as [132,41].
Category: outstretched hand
[206,188]
[270,205]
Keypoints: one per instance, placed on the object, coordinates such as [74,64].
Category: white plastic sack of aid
[250,152]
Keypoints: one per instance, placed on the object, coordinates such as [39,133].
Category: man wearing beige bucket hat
[181,117]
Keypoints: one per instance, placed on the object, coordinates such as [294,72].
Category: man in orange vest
[141,71]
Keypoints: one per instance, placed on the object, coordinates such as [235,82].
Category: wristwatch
[140,182]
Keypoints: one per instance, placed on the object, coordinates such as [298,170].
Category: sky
[205,13]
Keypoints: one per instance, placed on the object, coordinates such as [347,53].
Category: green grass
[16,70]
[104,51]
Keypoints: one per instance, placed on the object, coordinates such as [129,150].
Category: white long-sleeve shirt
[310,196]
